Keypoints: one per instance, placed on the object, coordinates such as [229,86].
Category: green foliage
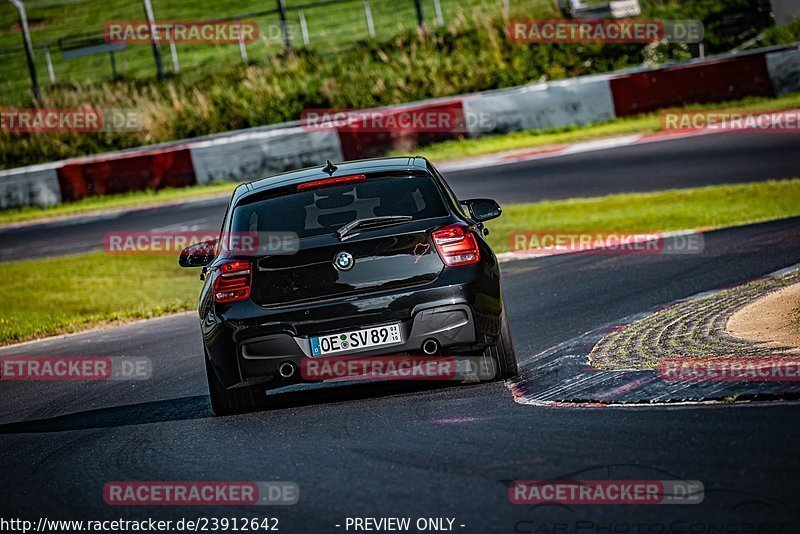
[787,33]
[728,23]
[681,209]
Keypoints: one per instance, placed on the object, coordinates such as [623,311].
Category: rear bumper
[452,326]
[247,344]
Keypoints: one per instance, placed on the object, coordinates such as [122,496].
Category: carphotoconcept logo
[81,120]
[74,368]
[634,31]
[206,493]
[548,243]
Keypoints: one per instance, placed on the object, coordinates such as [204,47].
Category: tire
[225,401]
[502,353]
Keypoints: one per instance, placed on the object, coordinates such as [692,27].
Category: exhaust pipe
[286,370]
[430,347]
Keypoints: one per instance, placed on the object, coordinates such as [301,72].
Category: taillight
[456,245]
[232,283]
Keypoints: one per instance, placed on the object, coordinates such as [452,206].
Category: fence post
[304,27]
[49,61]
[173,51]
[26,38]
[420,17]
[242,47]
[565,6]
[113,64]
[148,12]
[370,22]
[287,41]
[437,6]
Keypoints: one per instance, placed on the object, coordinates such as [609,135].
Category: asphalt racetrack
[401,450]
[411,451]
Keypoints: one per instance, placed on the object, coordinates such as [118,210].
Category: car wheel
[225,401]
[502,353]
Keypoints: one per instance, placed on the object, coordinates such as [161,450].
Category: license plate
[357,340]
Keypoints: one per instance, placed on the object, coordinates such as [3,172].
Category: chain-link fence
[69,45]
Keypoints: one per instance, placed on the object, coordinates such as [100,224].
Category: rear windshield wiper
[372,222]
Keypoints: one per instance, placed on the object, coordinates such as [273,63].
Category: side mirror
[483,209]
[199,254]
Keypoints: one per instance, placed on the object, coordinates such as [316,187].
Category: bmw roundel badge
[344,261]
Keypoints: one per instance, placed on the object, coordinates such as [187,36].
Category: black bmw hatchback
[371,258]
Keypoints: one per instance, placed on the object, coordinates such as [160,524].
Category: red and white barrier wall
[250,154]
[715,80]
[360,143]
[246,156]
[543,106]
[784,71]
[30,186]
[129,171]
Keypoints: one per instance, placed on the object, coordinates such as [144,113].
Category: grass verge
[678,209]
[649,123]
[72,293]
[438,152]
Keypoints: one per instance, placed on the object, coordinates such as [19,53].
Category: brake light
[330,182]
[232,283]
[456,245]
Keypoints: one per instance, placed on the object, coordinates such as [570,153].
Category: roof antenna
[330,168]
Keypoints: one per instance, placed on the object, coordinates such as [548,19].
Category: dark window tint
[323,211]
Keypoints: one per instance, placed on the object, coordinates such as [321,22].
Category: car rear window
[323,211]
